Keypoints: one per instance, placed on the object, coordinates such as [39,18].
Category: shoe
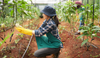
[55,55]
[77,33]
[41,57]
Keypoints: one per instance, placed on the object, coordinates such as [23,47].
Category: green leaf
[68,20]
[85,41]
[83,30]
[5,56]
[97,36]
[5,38]
[79,37]
[95,29]
[17,40]
[25,12]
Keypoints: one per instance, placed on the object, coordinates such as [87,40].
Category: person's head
[50,12]
[45,16]
[78,4]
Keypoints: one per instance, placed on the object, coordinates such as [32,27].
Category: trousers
[46,51]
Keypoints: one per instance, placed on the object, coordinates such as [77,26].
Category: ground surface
[72,46]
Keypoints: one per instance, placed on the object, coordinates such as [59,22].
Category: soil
[72,46]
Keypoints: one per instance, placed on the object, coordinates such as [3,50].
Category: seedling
[95,55]
[5,56]
[17,40]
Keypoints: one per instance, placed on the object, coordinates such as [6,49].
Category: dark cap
[49,11]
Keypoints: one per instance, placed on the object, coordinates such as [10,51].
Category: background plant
[17,11]
[90,31]
[66,12]
[1,42]
[89,17]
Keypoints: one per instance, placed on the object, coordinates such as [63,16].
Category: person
[79,15]
[51,43]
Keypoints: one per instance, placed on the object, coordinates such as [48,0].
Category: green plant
[95,55]
[62,28]
[20,35]
[17,40]
[5,56]
[89,31]
[17,11]
[89,12]
[6,38]
[65,10]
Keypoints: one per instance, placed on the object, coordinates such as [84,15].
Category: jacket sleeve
[43,30]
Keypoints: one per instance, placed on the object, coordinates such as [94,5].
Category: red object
[79,3]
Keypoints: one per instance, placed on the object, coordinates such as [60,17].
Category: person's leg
[41,57]
[46,51]
[81,24]
[56,55]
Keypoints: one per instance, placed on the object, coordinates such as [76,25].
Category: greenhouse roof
[40,1]
[44,1]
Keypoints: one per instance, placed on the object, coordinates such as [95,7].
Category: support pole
[16,11]
[93,12]
[82,1]
[87,13]
[99,12]
[3,9]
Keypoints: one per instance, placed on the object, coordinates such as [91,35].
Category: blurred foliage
[65,10]
[19,9]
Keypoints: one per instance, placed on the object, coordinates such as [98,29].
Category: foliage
[89,31]
[24,11]
[95,56]
[5,56]
[90,2]
[6,38]
[89,9]
[65,10]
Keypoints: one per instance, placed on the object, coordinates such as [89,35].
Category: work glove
[24,31]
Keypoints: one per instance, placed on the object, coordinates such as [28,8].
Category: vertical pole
[85,2]
[3,9]
[16,11]
[82,1]
[99,12]
[93,12]
[87,13]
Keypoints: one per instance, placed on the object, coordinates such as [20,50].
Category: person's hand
[24,31]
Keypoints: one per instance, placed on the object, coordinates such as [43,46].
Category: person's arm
[27,31]
[44,30]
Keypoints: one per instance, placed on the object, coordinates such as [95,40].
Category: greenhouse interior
[49,28]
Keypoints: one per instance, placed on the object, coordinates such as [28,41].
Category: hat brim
[78,2]
[47,13]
